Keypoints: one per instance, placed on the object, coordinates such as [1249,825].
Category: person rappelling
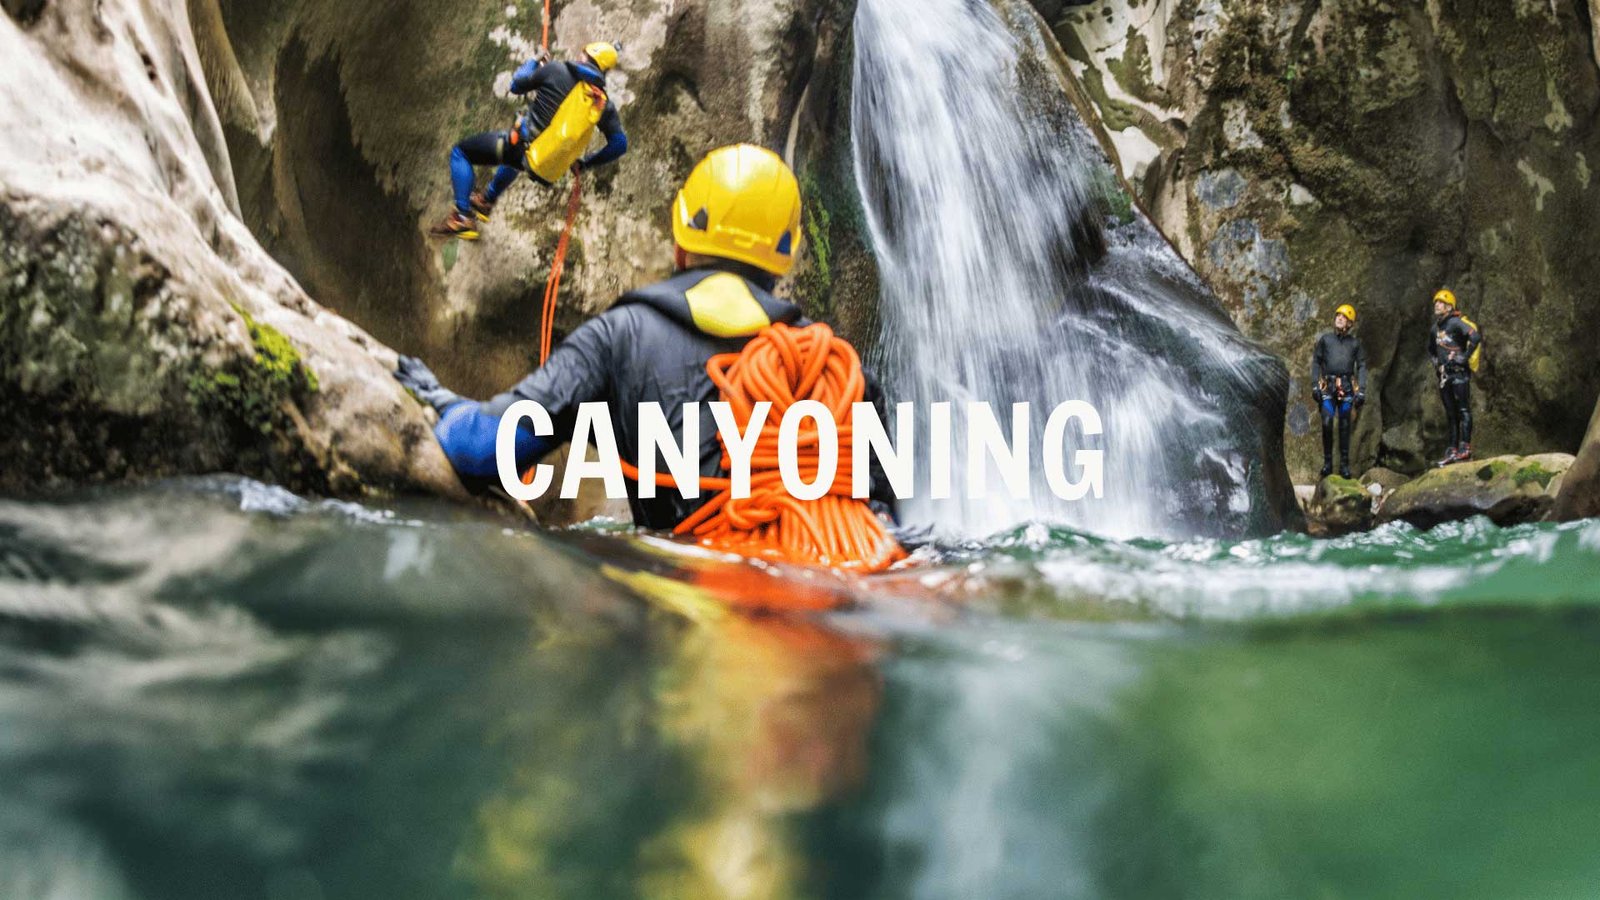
[712,331]
[567,103]
[1454,346]
[1338,374]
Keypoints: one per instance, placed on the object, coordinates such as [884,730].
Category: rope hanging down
[784,365]
[552,286]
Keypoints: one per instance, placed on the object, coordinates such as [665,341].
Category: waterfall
[1001,281]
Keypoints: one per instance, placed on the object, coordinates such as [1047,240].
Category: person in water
[736,229]
[1453,347]
[566,102]
[1338,373]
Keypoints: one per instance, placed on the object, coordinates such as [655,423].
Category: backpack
[567,136]
[1477,355]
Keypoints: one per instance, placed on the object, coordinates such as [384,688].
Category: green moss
[252,393]
[1132,71]
[278,360]
[1337,484]
[1114,201]
[818,222]
[1533,472]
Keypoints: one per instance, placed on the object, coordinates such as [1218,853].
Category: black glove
[1316,394]
[1361,398]
[578,167]
[420,380]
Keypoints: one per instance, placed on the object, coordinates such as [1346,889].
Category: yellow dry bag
[1477,355]
[560,145]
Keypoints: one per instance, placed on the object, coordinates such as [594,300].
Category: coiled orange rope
[784,365]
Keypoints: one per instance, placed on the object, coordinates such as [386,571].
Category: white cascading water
[971,193]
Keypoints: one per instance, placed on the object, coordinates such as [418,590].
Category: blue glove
[415,375]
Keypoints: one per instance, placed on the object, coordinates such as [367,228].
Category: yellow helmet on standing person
[741,202]
[1446,296]
[1348,311]
[604,54]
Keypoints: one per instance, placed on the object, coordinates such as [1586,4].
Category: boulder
[1510,490]
[1579,497]
[1386,480]
[144,331]
[1339,506]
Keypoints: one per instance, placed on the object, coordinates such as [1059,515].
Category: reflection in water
[762,716]
[776,715]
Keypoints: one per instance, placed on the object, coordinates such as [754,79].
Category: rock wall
[1308,153]
[344,114]
[1579,497]
[145,332]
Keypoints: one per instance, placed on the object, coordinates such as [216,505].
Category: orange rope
[552,286]
[544,41]
[784,365]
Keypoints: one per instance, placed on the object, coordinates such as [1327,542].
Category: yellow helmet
[1446,296]
[1348,311]
[742,203]
[604,54]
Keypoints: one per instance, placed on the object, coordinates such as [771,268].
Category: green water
[215,689]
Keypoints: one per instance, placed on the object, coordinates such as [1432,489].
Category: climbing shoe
[1344,470]
[456,225]
[1450,456]
[1327,469]
[482,206]
[1463,453]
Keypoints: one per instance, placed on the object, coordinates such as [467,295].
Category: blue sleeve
[467,434]
[616,139]
[525,78]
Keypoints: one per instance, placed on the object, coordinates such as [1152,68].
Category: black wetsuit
[1339,374]
[1451,346]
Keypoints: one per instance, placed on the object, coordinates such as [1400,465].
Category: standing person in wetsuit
[566,103]
[736,230]
[1338,374]
[1451,345]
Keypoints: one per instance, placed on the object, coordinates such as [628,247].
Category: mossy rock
[1339,506]
[1510,490]
[1386,479]
[255,393]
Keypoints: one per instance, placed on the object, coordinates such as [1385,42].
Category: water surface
[214,688]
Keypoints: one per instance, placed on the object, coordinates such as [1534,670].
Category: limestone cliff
[145,331]
[343,116]
[1308,153]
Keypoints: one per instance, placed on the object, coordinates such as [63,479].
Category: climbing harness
[784,365]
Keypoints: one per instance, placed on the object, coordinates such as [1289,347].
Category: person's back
[652,347]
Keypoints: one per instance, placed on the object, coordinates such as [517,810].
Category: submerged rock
[1510,490]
